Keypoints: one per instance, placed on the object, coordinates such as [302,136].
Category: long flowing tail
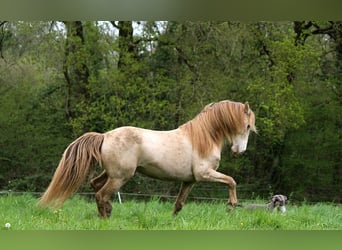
[77,160]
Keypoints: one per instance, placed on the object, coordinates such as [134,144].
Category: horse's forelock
[252,122]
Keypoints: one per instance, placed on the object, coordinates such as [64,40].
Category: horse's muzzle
[236,150]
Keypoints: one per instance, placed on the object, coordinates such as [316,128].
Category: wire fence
[121,197]
[143,189]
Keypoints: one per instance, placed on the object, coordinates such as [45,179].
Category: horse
[189,154]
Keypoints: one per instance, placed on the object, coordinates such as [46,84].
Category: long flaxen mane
[214,123]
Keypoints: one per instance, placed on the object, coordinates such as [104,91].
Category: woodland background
[59,79]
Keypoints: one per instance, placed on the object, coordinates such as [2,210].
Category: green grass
[80,214]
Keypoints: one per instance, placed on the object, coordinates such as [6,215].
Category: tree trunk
[127,47]
[75,69]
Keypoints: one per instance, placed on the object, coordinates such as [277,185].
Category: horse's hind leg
[182,195]
[98,182]
[104,194]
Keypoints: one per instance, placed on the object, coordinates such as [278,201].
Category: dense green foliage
[61,79]
[79,214]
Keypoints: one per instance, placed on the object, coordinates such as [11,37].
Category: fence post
[119,197]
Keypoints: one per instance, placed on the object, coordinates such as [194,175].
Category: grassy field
[78,213]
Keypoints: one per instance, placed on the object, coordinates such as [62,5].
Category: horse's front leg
[214,176]
[232,200]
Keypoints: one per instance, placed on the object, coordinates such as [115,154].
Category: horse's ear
[247,109]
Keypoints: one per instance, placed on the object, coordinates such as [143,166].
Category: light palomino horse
[190,153]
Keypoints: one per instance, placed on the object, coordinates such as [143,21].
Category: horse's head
[240,140]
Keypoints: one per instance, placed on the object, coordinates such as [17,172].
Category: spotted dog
[277,203]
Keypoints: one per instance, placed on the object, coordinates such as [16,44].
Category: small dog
[277,203]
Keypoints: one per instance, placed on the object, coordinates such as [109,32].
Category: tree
[31,107]
[329,31]
[127,46]
[75,68]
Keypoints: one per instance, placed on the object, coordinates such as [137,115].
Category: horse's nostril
[235,149]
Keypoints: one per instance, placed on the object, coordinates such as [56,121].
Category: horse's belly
[166,172]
